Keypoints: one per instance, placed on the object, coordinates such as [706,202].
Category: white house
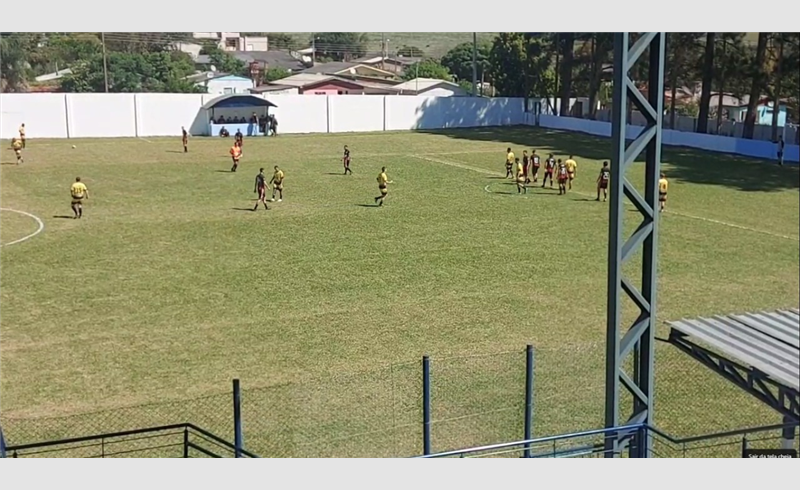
[234,41]
[222,83]
[430,87]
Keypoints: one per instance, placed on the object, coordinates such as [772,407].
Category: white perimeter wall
[710,142]
[99,115]
[45,115]
[143,115]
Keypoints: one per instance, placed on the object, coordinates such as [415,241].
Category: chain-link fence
[474,400]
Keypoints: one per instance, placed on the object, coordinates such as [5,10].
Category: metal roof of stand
[759,352]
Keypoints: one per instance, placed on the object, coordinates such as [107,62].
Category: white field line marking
[39,230]
[454,164]
[145,139]
[690,216]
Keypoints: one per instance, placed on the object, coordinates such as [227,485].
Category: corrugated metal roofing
[767,341]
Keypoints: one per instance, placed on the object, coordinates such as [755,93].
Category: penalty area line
[38,220]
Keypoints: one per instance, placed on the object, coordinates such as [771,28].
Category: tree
[791,75]
[281,40]
[410,52]
[566,47]
[708,77]
[133,72]
[273,74]
[427,69]
[341,46]
[730,56]
[14,66]
[592,61]
[507,60]
[143,42]
[459,60]
[520,65]
[759,78]
[682,52]
[225,62]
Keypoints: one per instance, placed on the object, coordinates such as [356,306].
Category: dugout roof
[760,352]
[237,101]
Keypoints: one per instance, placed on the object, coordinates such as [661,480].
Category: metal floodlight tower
[638,339]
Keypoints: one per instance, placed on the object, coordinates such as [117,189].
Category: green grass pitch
[170,286]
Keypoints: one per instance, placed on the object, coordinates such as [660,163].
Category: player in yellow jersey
[572,169]
[79,192]
[17,146]
[663,186]
[509,163]
[383,186]
[521,187]
[22,134]
[277,184]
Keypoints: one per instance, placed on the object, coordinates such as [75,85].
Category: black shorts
[77,200]
[662,197]
[384,189]
[603,185]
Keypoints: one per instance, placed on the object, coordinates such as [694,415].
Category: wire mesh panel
[568,389]
[210,412]
[477,400]
[375,413]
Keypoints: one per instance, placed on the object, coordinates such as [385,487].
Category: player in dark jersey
[535,164]
[602,181]
[261,189]
[525,165]
[549,167]
[239,138]
[563,175]
[346,160]
[185,139]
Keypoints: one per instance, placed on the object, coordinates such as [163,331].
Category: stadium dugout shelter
[758,352]
[237,106]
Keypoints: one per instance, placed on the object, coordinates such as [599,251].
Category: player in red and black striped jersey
[563,175]
[346,160]
[261,189]
[602,181]
[549,167]
[535,164]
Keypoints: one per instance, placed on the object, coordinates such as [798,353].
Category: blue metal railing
[655,443]
[176,440]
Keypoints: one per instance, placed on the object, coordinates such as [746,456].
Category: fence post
[237,419]
[744,446]
[185,442]
[787,434]
[426,405]
[528,398]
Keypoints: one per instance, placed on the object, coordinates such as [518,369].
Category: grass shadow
[63,216]
[680,163]
[244,209]
[368,205]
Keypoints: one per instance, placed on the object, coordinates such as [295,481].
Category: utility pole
[313,50]
[474,64]
[105,59]
[383,52]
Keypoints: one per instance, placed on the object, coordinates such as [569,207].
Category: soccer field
[170,286]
